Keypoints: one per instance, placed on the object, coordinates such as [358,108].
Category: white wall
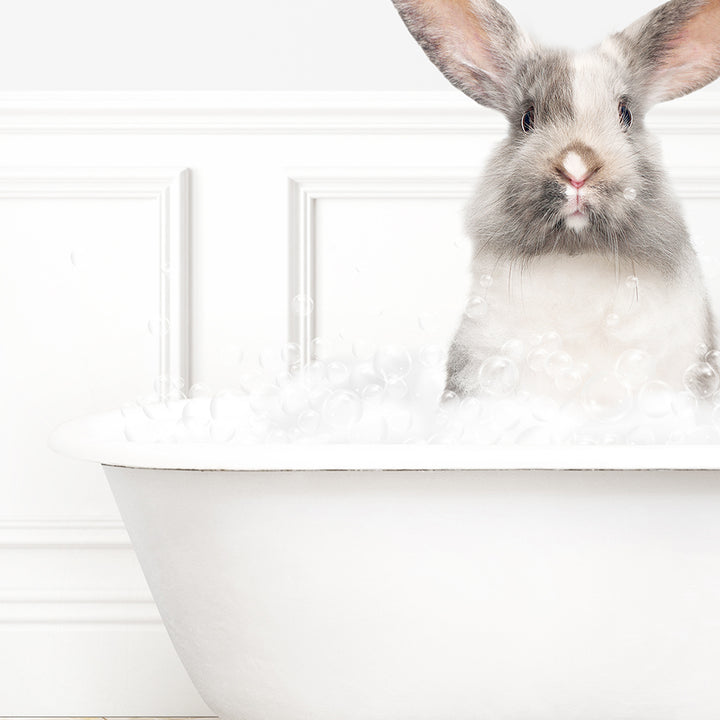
[86,183]
[242,45]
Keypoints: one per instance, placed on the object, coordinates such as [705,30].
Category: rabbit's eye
[528,119]
[625,115]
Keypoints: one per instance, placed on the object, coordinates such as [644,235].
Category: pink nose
[576,183]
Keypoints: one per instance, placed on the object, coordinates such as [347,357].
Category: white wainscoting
[152,240]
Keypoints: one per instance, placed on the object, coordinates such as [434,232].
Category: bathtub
[427,583]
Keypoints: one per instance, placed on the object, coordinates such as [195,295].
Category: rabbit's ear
[675,48]
[475,43]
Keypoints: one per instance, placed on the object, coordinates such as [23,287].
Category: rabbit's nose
[578,163]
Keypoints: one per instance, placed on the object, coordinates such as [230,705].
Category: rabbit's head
[578,169]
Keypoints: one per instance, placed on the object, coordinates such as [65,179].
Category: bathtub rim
[98,438]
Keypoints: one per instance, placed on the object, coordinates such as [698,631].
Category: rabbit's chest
[593,310]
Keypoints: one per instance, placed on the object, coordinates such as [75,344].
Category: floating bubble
[556,362]
[222,431]
[544,408]
[630,193]
[701,380]
[498,376]
[302,305]
[337,373]
[227,405]
[295,398]
[476,308]
[158,327]
[309,421]
[537,358]
[372,393]
[514,349]
[485,281]
[290,354]
[396,389]
[432,356]
[634,367]
[270,359]
[342,409]
[612,320]
[551,341]
[363,350]
[392,362]
[655,399]
[322,349]
[606,398]
[199,390]
[684,406]
[265,399]
[448,396]
[470,409]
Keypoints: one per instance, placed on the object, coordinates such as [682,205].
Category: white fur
[588,300]
[574,166]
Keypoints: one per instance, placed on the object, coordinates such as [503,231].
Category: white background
[241,45]
[80,275]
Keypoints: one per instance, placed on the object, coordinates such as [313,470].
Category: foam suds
[392,395]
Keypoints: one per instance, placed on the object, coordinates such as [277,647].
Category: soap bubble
[514,349]
[656,398]
[551,341]
[322,349]
[701,380]
[612,320]
[556,362]
[295,398]
[606,398]
[270,359]
[476,308]
[396,389]
[432,356]
[634,367]
[302,305]
[485,280]
[537,358]
[684,406]
[498,375]
[309,421]
[265,399]
[372,393]
[342,409]
[222,431]
[314,373]
[363,350]
[569,379]
[290,354]
[392,362]
[337,373]
[630,193]
[158,327]
[448,396]
[226,405]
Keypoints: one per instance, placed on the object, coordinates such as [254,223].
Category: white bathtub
[429,583]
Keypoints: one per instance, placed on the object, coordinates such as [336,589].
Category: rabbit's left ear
[475,43]
[675,48]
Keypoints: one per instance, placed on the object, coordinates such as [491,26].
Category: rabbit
[582,263]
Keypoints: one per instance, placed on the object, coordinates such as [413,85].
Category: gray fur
[477,82]
[517,213]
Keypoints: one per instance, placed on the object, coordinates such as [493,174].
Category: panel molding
[170,189]
[308,186]
[328,112]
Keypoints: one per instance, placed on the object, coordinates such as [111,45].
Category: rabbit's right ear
[475,43]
